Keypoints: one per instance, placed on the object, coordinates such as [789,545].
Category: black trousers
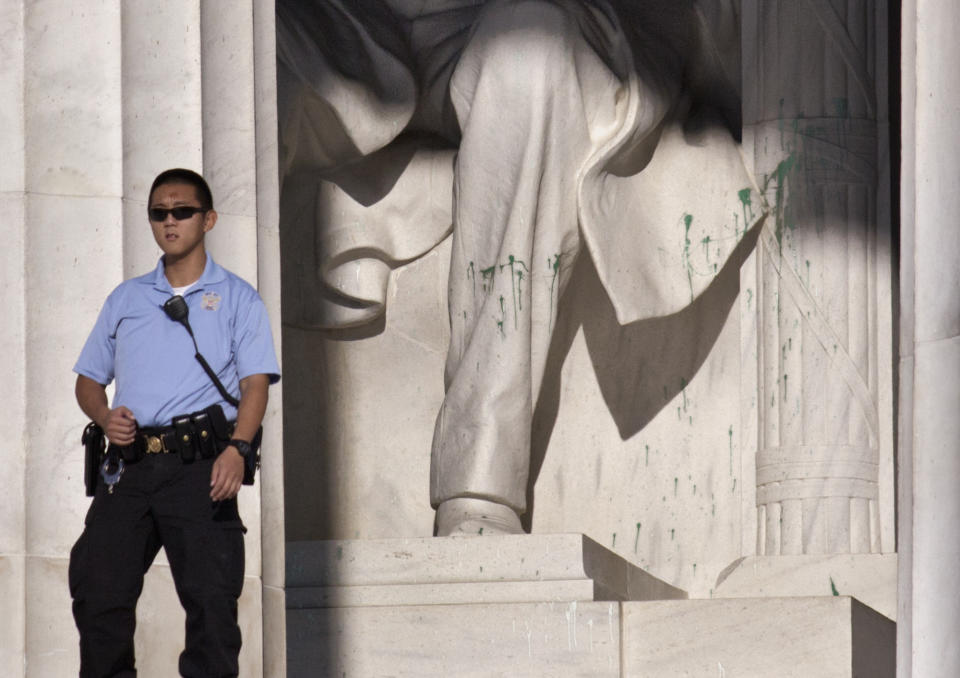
[159,502]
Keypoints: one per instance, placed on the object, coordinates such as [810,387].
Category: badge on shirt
[210,301]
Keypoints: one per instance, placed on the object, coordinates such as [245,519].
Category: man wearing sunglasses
[177,444]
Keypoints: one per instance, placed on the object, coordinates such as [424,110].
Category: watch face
[243,447]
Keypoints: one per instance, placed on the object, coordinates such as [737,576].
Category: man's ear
[209,220]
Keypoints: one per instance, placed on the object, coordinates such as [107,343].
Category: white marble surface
[930,506]
[13,341]
[12,142]
[72,262]
[72,88]
[13,621]
[832,637]
[447,570]
[535,640]
[870,578]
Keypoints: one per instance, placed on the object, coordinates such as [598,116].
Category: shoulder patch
[210,301]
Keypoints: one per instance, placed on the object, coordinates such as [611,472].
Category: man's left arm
[227,475]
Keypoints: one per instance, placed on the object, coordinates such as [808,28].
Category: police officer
[170,486]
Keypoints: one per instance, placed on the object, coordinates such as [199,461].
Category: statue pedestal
[550,605]
[871,578]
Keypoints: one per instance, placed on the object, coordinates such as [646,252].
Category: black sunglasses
[179,213]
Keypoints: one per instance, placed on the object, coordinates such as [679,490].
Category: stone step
[490,569]
[827,637]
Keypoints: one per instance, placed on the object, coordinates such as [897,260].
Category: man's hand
[227,475]
[120,426]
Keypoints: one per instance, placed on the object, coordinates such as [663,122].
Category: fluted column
[823,278]
[929,497]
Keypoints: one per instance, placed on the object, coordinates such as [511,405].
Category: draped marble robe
[557,124]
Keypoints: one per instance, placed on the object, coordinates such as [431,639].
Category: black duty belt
[203,435]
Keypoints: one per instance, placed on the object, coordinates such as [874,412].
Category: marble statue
[532,129]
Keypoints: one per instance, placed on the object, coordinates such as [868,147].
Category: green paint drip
[472,277]
[833,588]
[746,204]
[555,267]
[613,544]
[749,297]
[730,438]
[636,540]
[486,277]
[687,222]
[676,481]
[517,267]
[646,461]
[672,530]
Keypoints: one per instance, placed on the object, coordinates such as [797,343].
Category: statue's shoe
[468,517]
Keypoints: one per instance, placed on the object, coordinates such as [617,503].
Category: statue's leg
[523,91]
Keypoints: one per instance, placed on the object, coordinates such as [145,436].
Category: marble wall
[97,99]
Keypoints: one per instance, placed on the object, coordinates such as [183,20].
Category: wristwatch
[243,447]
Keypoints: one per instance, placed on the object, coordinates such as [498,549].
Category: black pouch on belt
[185,439]
[94,446]
[203,434]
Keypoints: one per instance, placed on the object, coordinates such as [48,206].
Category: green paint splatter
[472,277]
[730,438]
[783,212]
[480,532]
[746,204]
[555,267]
[833,588]
[487,276]
[517,268]
[636,540]
[687,222]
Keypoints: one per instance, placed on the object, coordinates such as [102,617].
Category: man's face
[178,238]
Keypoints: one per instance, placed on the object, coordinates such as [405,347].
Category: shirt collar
[212,273]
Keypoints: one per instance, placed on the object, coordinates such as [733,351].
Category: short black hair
[179,175]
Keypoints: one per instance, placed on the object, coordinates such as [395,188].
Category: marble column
[96,100]
[929,500]
[814,103]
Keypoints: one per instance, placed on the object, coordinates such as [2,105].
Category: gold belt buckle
[154,445]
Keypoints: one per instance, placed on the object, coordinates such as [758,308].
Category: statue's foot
[462,517]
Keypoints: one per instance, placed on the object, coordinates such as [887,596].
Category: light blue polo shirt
[152,357]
